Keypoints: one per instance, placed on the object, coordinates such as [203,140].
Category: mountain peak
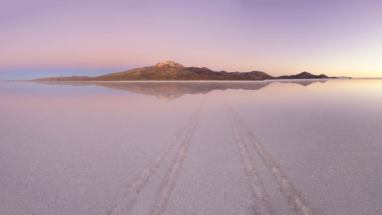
[169,64]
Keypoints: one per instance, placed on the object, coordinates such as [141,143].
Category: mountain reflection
[174,90]
[302,82]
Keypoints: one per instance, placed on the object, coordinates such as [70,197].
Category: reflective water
[287,147]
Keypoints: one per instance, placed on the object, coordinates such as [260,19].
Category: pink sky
[279,37]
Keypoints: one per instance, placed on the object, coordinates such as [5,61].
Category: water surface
[269,147]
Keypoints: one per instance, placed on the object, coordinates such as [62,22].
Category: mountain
[303,75]
[71,78]
[170,70]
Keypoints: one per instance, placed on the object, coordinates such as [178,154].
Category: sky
[43,38]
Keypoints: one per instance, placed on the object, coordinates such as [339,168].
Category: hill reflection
[174,90]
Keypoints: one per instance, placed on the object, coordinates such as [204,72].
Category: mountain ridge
[172,71]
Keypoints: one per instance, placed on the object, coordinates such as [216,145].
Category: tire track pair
[257,188]
[294,198]
[167,187]
[133,190]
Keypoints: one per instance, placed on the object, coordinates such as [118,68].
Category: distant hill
[71,78]
[169,70]
[303,75]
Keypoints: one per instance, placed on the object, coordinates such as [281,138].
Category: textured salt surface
[263,148]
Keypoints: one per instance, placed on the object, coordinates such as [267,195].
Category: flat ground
[286,149]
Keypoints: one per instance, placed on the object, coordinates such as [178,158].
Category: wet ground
[302,147]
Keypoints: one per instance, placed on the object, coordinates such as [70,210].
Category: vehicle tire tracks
[261,200]
[167,187]
[294,198]
[133,190]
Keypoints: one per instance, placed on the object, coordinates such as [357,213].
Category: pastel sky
[43,38]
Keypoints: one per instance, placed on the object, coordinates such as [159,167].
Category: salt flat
[270,147]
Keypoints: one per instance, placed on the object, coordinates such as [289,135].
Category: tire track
[294,198]
[167,187]
[258,190]
[133,190]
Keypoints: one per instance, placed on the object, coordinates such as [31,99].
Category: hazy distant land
[169,70]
